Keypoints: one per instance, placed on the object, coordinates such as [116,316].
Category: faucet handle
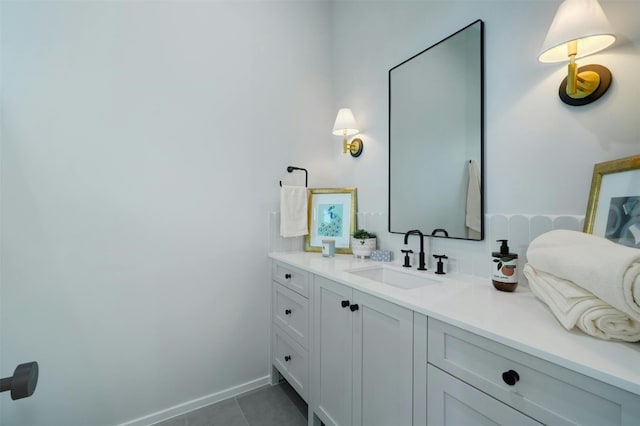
[407,264]
[440,266]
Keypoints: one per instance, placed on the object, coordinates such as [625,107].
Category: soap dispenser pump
[503,275]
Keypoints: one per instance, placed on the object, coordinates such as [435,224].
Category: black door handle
[287,311]
[287,358]
[354,307]
[510,377]
[287,276]
[23,382]
[345,303]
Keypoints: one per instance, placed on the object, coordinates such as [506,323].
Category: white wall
[539,152]
[142,145]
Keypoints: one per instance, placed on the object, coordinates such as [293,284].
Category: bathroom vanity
[366,344]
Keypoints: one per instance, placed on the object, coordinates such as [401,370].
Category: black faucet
[421,267]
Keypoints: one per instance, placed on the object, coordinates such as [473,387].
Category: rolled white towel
[608,270]
[574,306]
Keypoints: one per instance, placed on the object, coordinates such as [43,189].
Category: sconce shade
[345,123]
[582,21]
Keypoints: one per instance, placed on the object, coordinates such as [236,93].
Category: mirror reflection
[436,138]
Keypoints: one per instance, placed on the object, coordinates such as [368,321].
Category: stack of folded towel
[588,282]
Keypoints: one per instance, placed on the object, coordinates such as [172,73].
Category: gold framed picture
[332,215]
[613,210]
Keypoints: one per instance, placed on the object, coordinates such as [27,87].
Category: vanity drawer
[547,392]
[291,360]
[291,277]
[291,313]
[454,403]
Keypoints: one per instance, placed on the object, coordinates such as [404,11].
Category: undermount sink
[394,276]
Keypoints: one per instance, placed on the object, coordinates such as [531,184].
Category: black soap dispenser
[503,268]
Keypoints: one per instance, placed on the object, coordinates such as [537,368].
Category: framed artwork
[613,210]
[332,214]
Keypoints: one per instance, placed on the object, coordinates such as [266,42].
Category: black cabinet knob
[287,358]
[354,307]
[287,311]
[510,377]
[287,276]
[345,303]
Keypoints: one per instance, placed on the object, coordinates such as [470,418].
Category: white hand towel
[608,270]
[473,216]
[293,211]
[573,306]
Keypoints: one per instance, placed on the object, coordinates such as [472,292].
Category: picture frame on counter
[613,209]
[332,215]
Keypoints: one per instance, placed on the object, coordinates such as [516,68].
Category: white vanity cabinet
[502,376]
[362,362]
[290,316]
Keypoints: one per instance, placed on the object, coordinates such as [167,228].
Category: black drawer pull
[510,377]
[287,311]
[354,307]
[287,276]
[287,358]
[345,303]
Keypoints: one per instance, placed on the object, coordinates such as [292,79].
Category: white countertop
[515,319]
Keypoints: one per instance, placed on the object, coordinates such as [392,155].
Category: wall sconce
[346,125]
[579,28]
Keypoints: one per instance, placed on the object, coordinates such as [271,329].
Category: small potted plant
[363,243]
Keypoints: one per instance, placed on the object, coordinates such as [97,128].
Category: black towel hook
[290,169]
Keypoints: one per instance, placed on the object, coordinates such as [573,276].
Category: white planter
[362,247]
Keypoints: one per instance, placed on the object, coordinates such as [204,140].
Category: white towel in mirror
[473,218]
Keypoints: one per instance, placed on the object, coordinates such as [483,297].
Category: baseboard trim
[185,407]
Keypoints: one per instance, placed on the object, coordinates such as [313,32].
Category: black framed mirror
[436,138]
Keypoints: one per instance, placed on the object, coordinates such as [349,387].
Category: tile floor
[276,405]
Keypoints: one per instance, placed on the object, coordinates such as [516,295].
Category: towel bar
[290,169]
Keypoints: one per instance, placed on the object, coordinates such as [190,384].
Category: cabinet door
[419,369]
[452,402]
[332,352]
[383,363]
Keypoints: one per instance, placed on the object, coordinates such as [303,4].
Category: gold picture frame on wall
[613,210]
[332,214]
